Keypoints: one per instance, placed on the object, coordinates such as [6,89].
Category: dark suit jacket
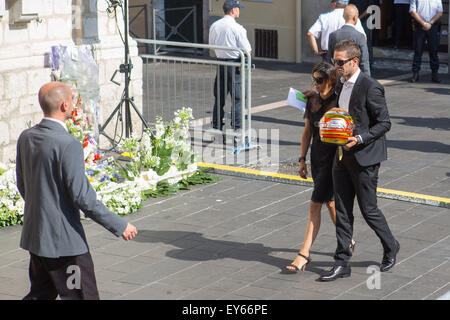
[51,179]
[368,109]
[350,33]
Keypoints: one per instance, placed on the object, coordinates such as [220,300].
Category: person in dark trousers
[348,32]
[227,32]
[324,77]
[426,14]
[51,179]
[402,23]
[356,173]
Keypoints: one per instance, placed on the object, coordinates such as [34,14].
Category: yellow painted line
[253,172]
[414,195]
[387,193]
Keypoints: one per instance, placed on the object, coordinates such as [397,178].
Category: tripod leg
[139,114]
[117,109]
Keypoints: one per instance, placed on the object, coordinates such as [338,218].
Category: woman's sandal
[296,269]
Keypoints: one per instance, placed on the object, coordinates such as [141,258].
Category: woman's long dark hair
[330,75]
[327,71]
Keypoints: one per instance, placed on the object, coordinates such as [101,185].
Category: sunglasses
[340,63]
[317,80]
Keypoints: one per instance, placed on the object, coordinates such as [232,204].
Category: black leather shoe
[336,272]
[387,262]
[415,77]
[435,78]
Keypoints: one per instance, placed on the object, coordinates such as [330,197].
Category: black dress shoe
[415,77]
[336,272]
[435,78]
[387,262]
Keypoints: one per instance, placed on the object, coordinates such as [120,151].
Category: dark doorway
[186,29]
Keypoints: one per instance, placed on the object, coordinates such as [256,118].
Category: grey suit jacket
[350,33]
[51,179]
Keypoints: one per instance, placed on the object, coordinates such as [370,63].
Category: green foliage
[164,189]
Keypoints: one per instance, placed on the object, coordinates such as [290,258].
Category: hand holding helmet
[336,127]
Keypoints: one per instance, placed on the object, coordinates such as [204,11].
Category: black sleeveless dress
[322,154]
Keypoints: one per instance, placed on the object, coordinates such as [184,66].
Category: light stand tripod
[125,100]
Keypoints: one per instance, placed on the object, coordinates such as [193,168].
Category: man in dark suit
[356,173]
[51,179]
[348,32]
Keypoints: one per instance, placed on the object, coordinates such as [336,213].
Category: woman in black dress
[324,77]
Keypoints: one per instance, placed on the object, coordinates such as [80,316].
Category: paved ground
[231,239]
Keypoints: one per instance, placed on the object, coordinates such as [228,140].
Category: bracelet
[302,158]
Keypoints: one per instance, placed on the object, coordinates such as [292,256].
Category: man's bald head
[351,14]
[52,95]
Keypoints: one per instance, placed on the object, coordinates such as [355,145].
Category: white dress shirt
[63,124]
[228,33]
[329,22]
[426,9]
[347,88]
[346,93]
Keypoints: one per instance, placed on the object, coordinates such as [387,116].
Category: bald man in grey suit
[51,179]
[349,32]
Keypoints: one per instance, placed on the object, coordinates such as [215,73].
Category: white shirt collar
[353,78]
[63,124]
[227,16]
[350,24]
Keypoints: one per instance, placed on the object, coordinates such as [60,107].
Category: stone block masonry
[24,60]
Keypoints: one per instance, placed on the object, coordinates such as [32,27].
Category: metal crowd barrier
[172,82]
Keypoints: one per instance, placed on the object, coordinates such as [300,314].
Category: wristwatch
[302,158]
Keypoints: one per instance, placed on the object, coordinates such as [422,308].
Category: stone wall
[28,30]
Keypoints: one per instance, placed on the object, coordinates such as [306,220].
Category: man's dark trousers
[432,37]
[403,24]
[51,277]
[352,179]
[230,83]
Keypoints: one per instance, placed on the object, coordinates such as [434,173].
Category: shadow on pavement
[278,121]
[193,246]
[422,146]
[432,123]
[443,91]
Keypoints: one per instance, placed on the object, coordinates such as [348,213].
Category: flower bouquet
[11,203]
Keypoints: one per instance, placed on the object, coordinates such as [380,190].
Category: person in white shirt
[227,32]
[426,14]
[327,23]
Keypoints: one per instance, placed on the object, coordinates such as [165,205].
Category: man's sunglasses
[340,63]
[317,80]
